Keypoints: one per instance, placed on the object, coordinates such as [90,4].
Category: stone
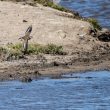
[26,79]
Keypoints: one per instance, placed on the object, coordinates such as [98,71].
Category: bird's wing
[28,31]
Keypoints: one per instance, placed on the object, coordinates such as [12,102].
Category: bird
[27,34]
[28,31]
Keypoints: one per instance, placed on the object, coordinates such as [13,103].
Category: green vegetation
[3,50]
[15,51]
[10,52]
[37,48]
[44,3]
[48,3]
[51,4]
[47,49]
[53,49]
[95,23]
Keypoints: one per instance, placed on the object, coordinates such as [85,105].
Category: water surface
[86,91]
[99,9]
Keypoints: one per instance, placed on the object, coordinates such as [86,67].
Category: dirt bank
[78,38]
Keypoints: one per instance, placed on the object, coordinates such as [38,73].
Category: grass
[11,52]
[51,4]
[15,51]
[3,50]
[47,49]
[48,3]
[94,23]
[45,3]
[53,49]
[37,48]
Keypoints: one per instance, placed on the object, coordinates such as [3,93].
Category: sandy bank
[84,52]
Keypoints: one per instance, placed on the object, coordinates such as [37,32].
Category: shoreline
[26,72]
[87,48]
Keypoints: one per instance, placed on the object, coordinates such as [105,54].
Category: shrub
[51,4]
[94,23]
[15,46]
[48,49]
[53,49]
[16,49]
[35,49]
[3,50]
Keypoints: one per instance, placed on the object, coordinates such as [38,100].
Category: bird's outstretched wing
[28,31]
[27,34]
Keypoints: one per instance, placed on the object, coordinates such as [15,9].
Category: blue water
[82,91]
[99,9]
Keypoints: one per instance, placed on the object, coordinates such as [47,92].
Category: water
[99,9]
[86,91]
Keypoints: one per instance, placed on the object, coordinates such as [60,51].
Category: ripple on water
[98,9]
[89,90]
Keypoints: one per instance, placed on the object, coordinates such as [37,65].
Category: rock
[104,30]
[10,75]
[57,76]
[25,20]
[104,36]
[55,63]
[92,32]
[37,74]
[26,79]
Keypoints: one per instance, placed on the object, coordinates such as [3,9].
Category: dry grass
[16,51]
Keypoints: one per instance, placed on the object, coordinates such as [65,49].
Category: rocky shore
[87,49]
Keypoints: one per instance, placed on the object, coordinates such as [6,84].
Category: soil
[85,52]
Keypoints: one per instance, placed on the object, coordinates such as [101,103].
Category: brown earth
[85,52]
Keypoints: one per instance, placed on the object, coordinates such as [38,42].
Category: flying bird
[28,31]
[27,34]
